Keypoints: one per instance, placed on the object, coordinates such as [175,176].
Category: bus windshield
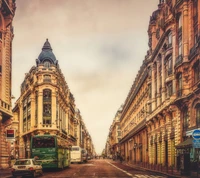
[43,142]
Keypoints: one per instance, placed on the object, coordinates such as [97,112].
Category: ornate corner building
[46,105]
[162,108]
[7,12]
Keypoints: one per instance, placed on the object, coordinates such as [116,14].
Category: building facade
[114,137]
[7,12]
[162,108]
[46,105]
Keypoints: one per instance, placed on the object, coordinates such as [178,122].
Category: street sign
[196,134]
[10,134]
[196,143]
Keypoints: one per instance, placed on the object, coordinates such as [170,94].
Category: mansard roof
[47,54]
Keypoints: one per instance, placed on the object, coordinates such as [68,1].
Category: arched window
[46,106]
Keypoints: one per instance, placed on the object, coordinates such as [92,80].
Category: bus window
[43,142]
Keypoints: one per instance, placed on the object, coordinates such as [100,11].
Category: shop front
[185,156]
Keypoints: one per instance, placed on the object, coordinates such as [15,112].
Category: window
[170,39]
[185,119]
[47,64]
[180,35]
[169,66]
[179,86]
[180,46]
[195,20]
[149,91]
[47,78]
[197,114]
[196,69]
[46,106]
[169,89]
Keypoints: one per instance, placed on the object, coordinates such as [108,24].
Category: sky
[99,44]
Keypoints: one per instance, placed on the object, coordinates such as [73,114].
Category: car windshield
[23,162]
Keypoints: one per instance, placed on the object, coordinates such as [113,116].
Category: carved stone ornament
[158,33]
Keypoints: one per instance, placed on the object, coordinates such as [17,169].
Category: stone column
[158,83]
[174,56]
[185,31]
[153,86]
[163,77]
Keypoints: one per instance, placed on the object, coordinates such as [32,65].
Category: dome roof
[47,54]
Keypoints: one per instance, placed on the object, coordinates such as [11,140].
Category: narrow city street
[97,168]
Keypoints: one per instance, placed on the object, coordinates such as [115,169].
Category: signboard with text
[10,134]
[196,143]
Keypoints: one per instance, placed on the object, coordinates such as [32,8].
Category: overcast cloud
[99,45]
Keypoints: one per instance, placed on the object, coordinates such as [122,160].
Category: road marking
[120,169]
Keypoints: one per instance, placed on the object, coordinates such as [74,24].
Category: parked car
[25,167]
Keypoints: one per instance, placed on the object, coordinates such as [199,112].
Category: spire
[47,45]
[47,54]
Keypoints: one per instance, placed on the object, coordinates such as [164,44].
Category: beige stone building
[162,108]
[7,12]
[83,138]
[46,105]
[114,137]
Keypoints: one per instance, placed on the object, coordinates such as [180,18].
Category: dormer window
[47,64]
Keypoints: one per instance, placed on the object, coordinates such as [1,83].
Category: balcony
[179,60]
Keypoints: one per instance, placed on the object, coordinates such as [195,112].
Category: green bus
[51,151]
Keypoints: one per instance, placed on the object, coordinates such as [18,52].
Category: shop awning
[185,144]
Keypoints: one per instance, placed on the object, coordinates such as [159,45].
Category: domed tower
[47,57]
[46,105]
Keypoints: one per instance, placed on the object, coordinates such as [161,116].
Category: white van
[76,154]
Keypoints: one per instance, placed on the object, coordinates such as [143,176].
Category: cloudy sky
[99,44]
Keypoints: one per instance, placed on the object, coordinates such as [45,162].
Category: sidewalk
[175,174]
[5,172]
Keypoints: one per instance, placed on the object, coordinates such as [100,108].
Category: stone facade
[46,105]
[7,12]
[162,108]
